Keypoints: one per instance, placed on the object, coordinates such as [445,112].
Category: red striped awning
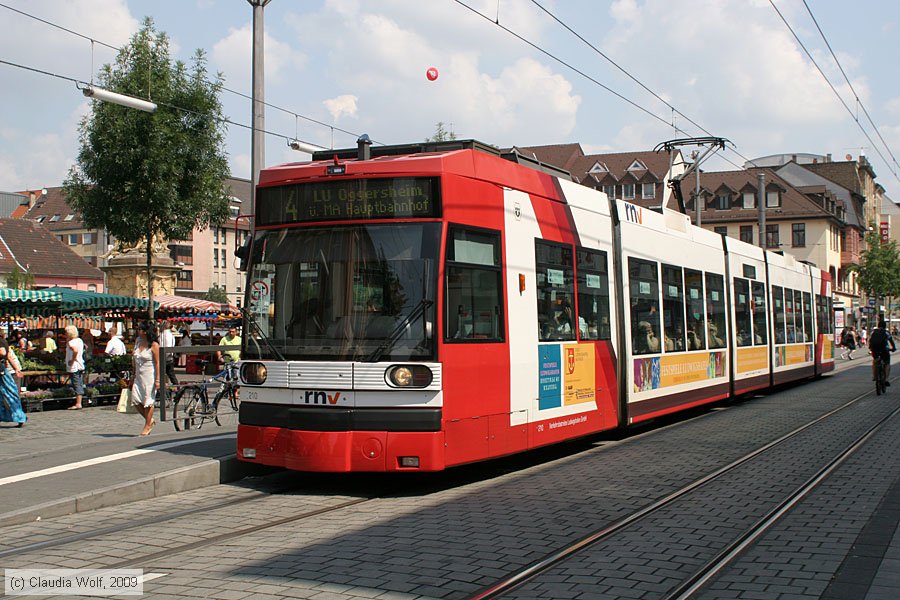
[183,305]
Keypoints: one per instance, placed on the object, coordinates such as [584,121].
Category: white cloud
[232,55]
[344,104]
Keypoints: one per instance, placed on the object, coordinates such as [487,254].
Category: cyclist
[230,356]
[881,344]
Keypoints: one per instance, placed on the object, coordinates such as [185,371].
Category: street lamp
[304,146]
[120,99]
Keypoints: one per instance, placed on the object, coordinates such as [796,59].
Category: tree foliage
[441,134]
[19,279]
[216,294]
[139,174]
[879,267]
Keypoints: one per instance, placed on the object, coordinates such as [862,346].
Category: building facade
[30,248]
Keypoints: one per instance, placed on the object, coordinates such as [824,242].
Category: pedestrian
[75,363]
[10,403]
[232,339]
[167,340]
[185,342]
[145,380]
[848,341]
[115,346]
[49,345]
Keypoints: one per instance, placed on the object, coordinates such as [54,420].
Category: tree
[879,267]
[19,279]
[441,134]
[216,294]
[143,175]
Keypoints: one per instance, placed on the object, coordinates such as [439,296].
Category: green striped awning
[79,301]
[10,295]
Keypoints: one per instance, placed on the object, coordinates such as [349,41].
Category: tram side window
[789,316]
[593,294]
[715,310]
[821,315]
[696,312]
[760,337]
[643,277]
[807,317]
[673,309]
[799,335]
[473,296]
[778,310]
[555,291]
[742,314]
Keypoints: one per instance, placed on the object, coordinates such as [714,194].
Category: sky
[730,66]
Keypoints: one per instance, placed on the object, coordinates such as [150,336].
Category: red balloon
[431,73]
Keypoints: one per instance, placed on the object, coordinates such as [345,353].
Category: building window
[773,199]
[54,218]
[723,231]
[69,217]
[648,191]
[628,191]
[92,287]
[40,219]
[723,201]
[772,240]
[747,233]
[73,239]
[223,260]
[215,259]
[609,190]
[749,199]
[87,238]
[181,255]
[798,234]
[185,279]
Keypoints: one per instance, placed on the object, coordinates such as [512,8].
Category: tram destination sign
[349,199]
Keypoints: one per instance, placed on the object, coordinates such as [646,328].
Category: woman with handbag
[145,381]
[10,403]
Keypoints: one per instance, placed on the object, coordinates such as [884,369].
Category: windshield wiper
[248,319]
[397,332]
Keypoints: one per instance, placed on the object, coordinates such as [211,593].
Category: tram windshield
[361,292]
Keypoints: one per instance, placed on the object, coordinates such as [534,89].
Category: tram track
[711,568]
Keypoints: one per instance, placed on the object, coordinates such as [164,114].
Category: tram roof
[468,158]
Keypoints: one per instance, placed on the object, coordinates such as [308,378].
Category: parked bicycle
[192,406]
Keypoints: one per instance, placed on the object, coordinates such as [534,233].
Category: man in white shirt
[115,346]
[75,363]
[167,340]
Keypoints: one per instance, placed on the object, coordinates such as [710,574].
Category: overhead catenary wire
[80,82]
[595,81]
[847,79]
[93,41]
[833,89]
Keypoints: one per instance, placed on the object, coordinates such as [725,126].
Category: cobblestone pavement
[454,541]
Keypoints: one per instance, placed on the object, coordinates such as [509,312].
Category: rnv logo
[321,398]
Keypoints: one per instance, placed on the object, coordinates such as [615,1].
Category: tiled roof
[798,175]
[573,159]
[558,155]
[52,211]
[794,204]
[40,252]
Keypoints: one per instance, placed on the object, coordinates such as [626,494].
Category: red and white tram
[440,304]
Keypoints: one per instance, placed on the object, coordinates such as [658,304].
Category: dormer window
[40,219]
[69,217]
[637,166]
[598,168]
[722,201]
[54,218]
[749,199]
[773,199]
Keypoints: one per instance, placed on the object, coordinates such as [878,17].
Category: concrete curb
[209,472]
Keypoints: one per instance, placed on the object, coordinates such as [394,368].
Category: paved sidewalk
[43,470]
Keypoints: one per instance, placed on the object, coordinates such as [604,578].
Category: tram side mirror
[242,252]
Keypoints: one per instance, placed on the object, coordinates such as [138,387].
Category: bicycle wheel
[187,408]
[879,378]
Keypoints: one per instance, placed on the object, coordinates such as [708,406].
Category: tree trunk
[150,275]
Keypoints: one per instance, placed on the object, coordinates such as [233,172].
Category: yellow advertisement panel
[827,348]
[578,373]
[752,359]
[676,369]
[796,354]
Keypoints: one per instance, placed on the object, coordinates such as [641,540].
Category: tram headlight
[254,373]
[409,376]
